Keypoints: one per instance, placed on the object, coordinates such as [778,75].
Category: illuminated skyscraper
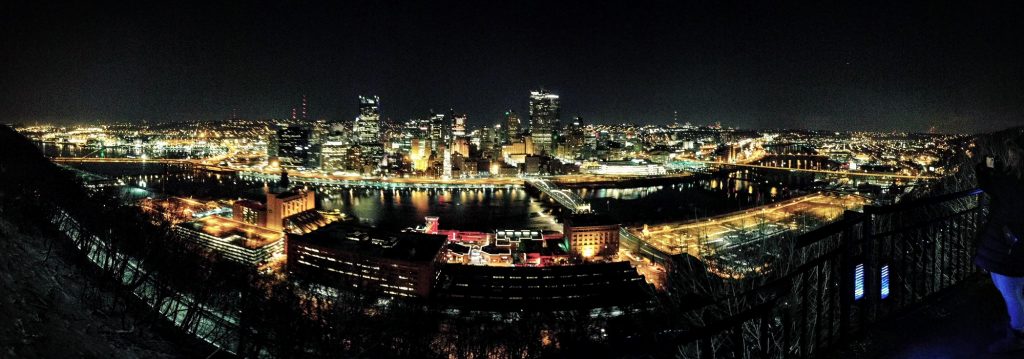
[439,130]
[513,126]
[334,156]
[294,146]
[574,140]
[545,112]
[459,125]
[367,126]
[447,170]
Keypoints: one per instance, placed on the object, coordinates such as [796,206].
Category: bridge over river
[568,199]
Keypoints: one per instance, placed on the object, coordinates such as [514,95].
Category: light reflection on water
[72,150]
[467,209]
[473,209]
[693,198]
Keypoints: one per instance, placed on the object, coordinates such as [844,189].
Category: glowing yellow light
[588,252]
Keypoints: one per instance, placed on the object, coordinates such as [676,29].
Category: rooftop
[344,237]
[238,233]
[251,204]
[592,219]
[288,193]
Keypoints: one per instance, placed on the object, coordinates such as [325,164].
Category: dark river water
[474,209]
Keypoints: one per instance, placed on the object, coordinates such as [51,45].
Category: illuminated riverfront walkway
[738,228]
[121,160]
[398,183]
[566,198]
[313,178]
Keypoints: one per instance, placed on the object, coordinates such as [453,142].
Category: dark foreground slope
[53,309]
[52,304]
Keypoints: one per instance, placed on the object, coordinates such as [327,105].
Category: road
[831,172]
[724,231]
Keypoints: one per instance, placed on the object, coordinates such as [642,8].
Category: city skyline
[902,67]
[526,179]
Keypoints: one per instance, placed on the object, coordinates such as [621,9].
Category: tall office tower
[367,126]
[334,153]
[461,146]
[513,127]
[447,171]
[419,154]
[488,138]
[545,111]
[459,125]
[447,127]
[293,146]
[574,138]
[438,130]
[272,145]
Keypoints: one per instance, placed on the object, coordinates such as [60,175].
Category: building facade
[592,236]
[251,212]
[513,126]
[367,126]
[286,203]
[545,113]
[402,264]
[294,146]
[236,241]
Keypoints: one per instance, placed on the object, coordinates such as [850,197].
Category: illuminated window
[858,282]
[885,281]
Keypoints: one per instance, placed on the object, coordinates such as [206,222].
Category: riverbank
[595,181]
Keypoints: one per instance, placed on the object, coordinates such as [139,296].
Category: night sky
[909,67]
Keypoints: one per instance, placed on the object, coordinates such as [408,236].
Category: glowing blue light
[885,281]
[858,282]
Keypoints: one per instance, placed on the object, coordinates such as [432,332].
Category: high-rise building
[574,139]
[419,154]
[488,140]
[513,126]
[367,126]
[334,156]
[461,146]
[545,112]
[447,174]
[439,129]
[459,125]
[272,146]
[294,145]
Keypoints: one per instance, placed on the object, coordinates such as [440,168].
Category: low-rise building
[394,263]
[592,235]
[284,204]
[236,241]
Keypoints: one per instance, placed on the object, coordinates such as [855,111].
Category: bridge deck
[566,198]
